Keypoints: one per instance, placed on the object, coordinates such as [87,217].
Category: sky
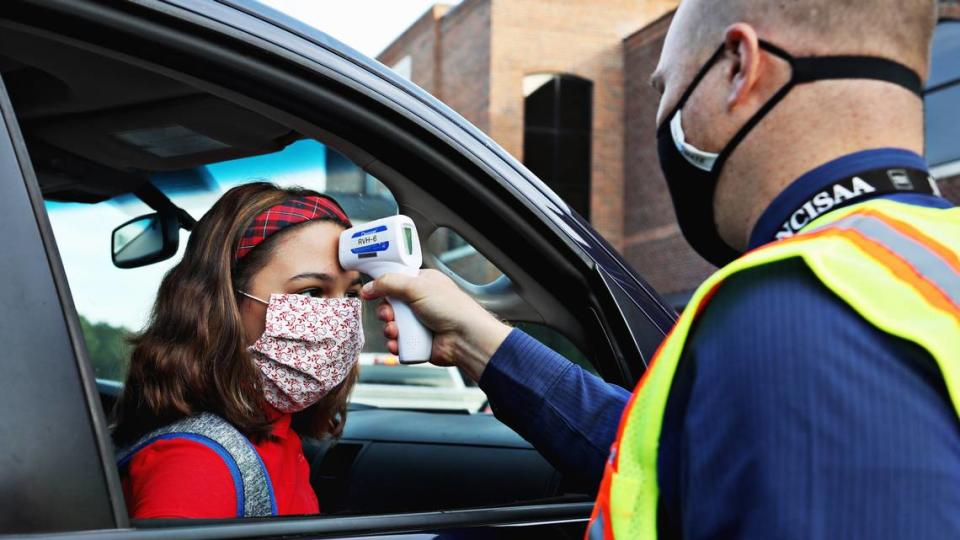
[366,25]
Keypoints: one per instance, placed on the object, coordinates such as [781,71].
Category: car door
[47,395]
[255,61]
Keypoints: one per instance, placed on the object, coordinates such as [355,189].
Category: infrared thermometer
[390,245]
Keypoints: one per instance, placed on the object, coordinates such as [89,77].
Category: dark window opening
[558,112]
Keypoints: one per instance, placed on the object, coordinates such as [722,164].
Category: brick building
[570,75]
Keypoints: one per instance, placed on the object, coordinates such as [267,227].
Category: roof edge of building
[430,17]
[662,20]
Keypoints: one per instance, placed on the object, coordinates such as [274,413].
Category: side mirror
[145,240]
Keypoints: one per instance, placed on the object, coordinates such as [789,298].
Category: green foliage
[108,347]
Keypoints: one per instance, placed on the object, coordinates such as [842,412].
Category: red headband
[290,212]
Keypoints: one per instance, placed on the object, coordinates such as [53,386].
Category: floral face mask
[308,347]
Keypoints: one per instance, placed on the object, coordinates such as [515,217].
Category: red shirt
[179,478]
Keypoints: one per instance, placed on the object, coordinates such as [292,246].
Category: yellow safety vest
[895,264]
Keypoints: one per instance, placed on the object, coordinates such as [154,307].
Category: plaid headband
[291,212]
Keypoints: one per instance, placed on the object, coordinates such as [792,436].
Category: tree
[108,347]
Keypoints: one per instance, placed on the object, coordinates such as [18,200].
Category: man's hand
[464,334]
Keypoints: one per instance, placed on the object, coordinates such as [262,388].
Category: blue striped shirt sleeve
[570,415]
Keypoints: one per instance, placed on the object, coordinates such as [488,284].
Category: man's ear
[743,46]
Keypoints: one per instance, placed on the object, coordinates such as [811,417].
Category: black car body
[394,472]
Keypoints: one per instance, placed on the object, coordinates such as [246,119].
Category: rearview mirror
[145,240]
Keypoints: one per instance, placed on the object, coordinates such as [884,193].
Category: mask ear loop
[764,110]
[725,249]
[819,68]
[692,87]
[252,297]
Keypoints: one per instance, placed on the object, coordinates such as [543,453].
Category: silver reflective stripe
[928,263]
[596,528]
[258,498]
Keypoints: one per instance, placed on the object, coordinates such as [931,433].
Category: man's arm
[569,415]
[801,420]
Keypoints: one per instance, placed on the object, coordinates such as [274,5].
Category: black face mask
[692,174]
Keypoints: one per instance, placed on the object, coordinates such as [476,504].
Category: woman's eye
[353,293]
[316,293]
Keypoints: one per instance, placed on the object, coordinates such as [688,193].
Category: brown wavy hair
[192,356]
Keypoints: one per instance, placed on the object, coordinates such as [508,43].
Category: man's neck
[801,134]
[854,178]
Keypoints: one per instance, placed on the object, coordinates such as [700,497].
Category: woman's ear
[743,46]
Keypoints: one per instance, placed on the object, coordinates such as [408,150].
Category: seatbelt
[250,478]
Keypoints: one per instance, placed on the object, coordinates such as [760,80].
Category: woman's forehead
[312,247]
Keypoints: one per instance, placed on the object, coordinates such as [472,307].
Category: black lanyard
[853,189]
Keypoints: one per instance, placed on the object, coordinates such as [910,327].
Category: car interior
[97,127]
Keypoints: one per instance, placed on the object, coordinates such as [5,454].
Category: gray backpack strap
[250,478]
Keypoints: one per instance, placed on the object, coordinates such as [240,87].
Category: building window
[942,102]
[558,111]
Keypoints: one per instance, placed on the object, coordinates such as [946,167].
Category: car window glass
[558,342]
[460,257]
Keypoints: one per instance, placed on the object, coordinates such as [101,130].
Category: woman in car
[253,342]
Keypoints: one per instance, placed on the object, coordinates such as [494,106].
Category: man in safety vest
[811,387]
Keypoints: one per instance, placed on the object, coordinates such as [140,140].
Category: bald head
[817,120]
[900,30]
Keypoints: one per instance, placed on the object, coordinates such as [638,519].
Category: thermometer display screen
[408,237]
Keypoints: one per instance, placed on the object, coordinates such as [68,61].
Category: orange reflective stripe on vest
[896,265]
[914,257]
